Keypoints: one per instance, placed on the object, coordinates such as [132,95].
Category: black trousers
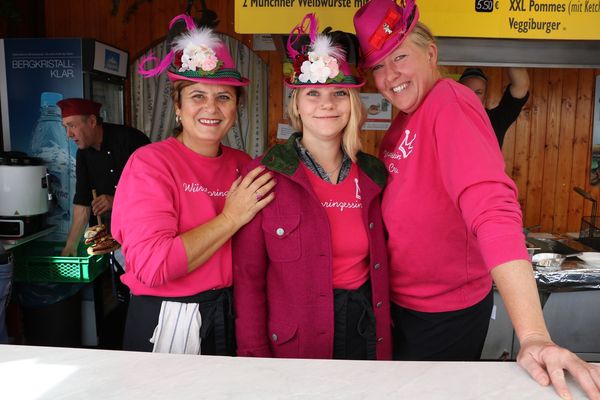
[217,331]
[354,331]
[444,336]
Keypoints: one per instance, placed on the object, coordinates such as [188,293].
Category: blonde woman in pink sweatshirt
[452,216]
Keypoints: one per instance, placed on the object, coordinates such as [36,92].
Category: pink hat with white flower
[319,63]
[197,55]
[381,26]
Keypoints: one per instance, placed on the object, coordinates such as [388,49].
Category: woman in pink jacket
[451,212]
[310,270]
[179,202]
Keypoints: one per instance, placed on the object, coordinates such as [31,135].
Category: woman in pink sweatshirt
[451,212]
[179,202]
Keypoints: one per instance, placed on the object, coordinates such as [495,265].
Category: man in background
[103,151]
[514,98]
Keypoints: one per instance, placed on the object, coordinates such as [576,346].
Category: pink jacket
[283,292]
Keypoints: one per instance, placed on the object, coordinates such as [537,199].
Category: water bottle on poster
[49,141]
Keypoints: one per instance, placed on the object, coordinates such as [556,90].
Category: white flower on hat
[314,71]
[322,63]
[198,57]
[197,50]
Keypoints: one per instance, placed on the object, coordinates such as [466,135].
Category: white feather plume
[323,47]
[198,37]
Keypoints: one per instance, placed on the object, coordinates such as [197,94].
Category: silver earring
[178,119]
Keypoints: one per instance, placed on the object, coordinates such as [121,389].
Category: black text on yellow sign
[526,19]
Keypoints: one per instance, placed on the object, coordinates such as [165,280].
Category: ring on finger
[258,195]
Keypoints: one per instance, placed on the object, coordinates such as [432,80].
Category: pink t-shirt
[350,244]
[167,189]
[450,210]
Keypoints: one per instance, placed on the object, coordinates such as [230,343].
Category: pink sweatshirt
[349,240]
[450,209]
[167,189]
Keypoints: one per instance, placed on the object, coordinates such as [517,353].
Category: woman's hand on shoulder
[248,195]
[546,362]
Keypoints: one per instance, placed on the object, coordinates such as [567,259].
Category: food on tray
[94,233]
[100,240]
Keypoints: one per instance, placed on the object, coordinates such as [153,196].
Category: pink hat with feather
[381,26]
[197,55]
[319,63]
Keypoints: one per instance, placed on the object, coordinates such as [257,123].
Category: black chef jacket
[101,169]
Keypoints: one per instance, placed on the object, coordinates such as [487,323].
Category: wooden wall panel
[581,147]
[547,151]
[565,149]
[538,107]
[551,148]
[276,101]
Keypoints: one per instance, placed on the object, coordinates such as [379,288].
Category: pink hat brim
[211,81]
[389,46]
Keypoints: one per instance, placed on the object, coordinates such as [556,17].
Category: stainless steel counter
[10,243]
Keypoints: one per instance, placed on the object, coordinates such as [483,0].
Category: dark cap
[473,73]
[70,107]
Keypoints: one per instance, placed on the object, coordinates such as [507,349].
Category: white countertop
[28,372]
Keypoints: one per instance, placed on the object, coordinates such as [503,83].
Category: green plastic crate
[40,261]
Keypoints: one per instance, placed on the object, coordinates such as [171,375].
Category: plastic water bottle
[49,141]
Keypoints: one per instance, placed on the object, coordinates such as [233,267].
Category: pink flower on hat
[333,66]
[201,57]
[209,64]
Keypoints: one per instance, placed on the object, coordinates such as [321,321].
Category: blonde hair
[351,142]
[421,36]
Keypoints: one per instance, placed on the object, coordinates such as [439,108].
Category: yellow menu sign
[518,19]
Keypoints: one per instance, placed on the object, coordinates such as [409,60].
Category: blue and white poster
[35,74]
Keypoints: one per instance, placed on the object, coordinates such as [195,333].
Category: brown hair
[351,134]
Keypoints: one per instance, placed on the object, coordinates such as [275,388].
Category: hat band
[348,79]
[381,35]
[222,73]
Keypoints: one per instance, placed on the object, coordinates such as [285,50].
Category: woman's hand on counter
[547,362]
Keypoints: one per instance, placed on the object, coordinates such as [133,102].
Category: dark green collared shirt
[316,168]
